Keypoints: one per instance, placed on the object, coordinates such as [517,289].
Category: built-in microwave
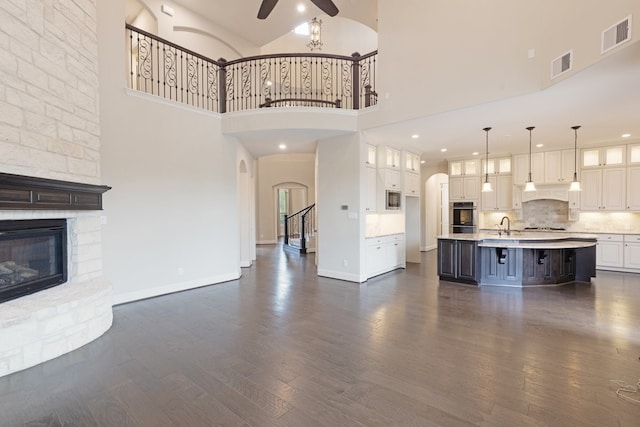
[393,199]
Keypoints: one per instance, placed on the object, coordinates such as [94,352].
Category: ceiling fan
[327,6]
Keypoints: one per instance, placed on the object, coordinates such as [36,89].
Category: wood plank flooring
[283,347]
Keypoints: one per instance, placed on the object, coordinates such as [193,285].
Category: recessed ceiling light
[301,8]
[625,135]
[282,146]
[422,162]
[539,145]
[475,153]
[415,136]
[444,150]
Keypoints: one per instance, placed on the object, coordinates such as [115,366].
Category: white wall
[272,171]
[340,36]
[195,33]
[172,216]
[341,232]
[438,56]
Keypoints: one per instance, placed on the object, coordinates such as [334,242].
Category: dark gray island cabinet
[522,259]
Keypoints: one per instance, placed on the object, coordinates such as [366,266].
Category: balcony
[161,68]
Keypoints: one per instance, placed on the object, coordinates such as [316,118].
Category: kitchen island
[519,259]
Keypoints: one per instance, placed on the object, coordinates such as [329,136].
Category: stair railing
[300,225]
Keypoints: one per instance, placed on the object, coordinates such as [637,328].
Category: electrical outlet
[345,263]
[180,271]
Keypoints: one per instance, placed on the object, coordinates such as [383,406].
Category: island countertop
[523,239]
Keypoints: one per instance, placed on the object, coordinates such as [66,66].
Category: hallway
[281,346]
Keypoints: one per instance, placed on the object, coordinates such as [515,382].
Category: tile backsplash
[555,213]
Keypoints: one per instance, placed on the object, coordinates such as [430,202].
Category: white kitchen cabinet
[392,158]
[633,154]
[632,251]
[392,179]
[633,188]
[609,251]
[411,162]
[521,168]
[497,166]
[371,156]
[603,189]
[469,167]
[411,184]
[604,157]
[559,167]
[464,188]
[500,199]
[384,253]
[372,190]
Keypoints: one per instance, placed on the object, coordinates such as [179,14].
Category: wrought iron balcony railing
[159,67]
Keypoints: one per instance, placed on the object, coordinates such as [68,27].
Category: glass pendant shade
[486,185]
[529,185]
[575,184]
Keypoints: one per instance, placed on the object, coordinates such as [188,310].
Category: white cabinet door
[591,183]
[371,156]
[521,168]
[558,166]
[613,189]
[609,251]
[633,188]
[632,251]
[500,199]
[604,157]
[392,158]
[411,184]
[392,179]
[488,199]
[464,188]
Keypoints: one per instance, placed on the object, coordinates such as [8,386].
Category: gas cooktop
[545,229]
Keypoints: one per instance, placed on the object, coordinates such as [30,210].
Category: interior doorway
[436,207]
[290,198]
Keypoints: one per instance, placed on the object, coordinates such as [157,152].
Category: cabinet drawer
[610,237]
[632,238]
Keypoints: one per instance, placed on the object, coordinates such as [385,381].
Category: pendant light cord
[530,128]
[486,162]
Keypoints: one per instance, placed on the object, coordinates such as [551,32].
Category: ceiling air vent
[616,34]
[561,64]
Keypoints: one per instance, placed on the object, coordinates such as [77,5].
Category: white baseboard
[266,242]
[171,288]
[341,276]
[428,248]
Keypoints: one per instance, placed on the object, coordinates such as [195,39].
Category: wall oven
[464,217]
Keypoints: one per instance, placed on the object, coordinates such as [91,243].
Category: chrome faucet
[508,230]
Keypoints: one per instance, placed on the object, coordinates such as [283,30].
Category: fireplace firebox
[33,256]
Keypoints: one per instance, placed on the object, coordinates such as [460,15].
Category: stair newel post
[286,229]
[222,86]
[303,238]
[355,80]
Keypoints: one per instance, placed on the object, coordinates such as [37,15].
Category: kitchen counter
[519,259]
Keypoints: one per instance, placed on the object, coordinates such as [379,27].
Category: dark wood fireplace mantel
[26,192]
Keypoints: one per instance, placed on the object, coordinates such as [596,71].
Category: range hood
[546,192]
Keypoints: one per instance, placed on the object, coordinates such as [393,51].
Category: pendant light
[575,184]
[486,186]
[530,186]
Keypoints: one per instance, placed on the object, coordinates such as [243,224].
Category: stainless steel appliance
[393,199]
[464,217]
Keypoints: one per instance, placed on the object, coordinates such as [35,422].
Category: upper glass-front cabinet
[371,155]
[464,167]
[605,156]
[633,154]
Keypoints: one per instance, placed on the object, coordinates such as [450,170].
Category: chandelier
[315,41]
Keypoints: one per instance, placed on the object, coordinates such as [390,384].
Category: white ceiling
[604,98]
[240,16]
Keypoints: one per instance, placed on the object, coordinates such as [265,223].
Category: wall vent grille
[562,64]
[616,34]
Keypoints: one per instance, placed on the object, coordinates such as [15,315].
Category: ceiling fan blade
[266,7]
[327,6]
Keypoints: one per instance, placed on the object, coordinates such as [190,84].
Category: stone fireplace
[75,305]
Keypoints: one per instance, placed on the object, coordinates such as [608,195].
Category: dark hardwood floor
[284,347]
